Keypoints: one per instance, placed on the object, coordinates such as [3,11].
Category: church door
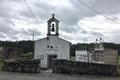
[50,60]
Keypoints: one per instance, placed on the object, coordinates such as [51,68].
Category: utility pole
[33,36]
[33,44]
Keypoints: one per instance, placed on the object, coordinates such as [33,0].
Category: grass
[72,58]
[27,55]
[119,60]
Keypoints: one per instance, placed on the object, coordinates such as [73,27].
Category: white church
[52,46]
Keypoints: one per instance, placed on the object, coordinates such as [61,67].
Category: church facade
[51,46]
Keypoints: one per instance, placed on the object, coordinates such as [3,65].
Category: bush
[1,64]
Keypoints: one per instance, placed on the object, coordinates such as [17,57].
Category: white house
[81,55]
[51,46]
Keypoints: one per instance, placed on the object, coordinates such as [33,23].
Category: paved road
[51,76]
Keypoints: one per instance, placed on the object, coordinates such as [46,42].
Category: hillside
[27,46]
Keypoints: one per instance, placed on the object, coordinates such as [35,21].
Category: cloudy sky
[78,23]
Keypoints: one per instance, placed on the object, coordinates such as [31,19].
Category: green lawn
[119,60]
[27,55]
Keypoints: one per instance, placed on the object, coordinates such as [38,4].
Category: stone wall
[70,67]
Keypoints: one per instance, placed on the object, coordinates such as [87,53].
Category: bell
[53,29]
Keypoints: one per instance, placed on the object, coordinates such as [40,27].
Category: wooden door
[50,60]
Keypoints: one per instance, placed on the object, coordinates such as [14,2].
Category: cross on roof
[53,15]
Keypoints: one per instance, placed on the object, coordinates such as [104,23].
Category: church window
[51,47]
[47,46]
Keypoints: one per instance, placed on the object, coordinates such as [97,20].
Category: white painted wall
[60,47]
[90,58]
[81,55]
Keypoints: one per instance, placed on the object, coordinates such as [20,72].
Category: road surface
[52,76]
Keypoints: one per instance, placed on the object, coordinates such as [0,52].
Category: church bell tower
[53,26]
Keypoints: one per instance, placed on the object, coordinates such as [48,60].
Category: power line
[29,8]
[37,21]
[97,12]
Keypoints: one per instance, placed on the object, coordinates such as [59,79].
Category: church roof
[64,40]
[53,18]
[58,38]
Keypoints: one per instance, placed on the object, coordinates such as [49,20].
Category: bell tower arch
[53,26]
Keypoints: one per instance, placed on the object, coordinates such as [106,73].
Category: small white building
[81,55]
[51,46]
[90,56]
[98,55]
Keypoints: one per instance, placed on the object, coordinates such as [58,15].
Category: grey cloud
[107,6]
[13,37]
[27,14]
[72,29]
[2,35]
[83,31]
[7,29]
[84,39]
[35,31]
[115,18]
[41,10]
[68,28]
[68,16]
[96,33]
[4,10]
[5,26]
[8,9]
[29,32]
